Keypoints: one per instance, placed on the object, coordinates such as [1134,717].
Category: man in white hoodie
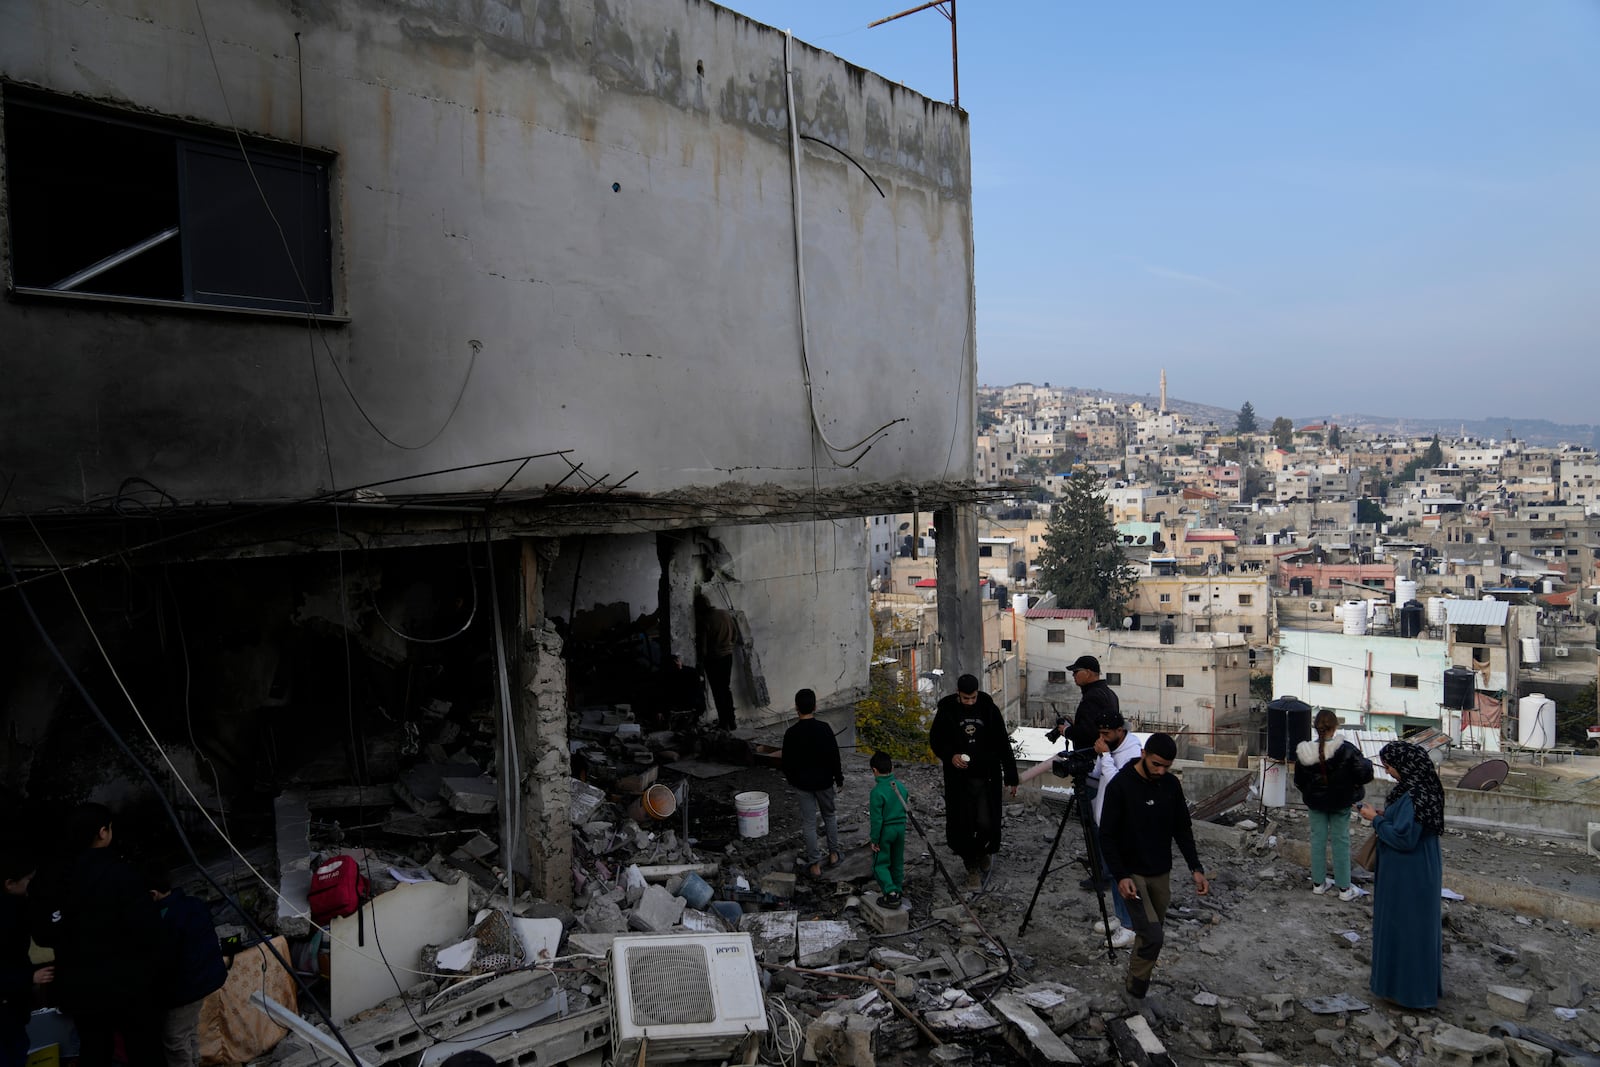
[1115,749]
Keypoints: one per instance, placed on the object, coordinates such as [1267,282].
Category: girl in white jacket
[1329,771]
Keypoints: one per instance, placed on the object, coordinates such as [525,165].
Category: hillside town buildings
[1258,552]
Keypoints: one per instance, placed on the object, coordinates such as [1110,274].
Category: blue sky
[1389,207]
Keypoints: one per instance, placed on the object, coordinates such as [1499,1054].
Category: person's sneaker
[1323,888]
[974,879]
[890,901]
[1349,893]
[1123,938]
[1100,926]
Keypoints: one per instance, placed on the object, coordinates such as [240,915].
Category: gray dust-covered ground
[1260,932]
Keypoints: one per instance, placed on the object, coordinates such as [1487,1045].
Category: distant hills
[1531,431]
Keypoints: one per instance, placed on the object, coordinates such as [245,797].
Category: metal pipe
[116,259]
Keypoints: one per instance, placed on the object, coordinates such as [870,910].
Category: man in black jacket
[1143,814]
[969,737]
[111,964]
[811,764]
[18,974]
[1095,697]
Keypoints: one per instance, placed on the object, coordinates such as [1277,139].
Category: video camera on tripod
[1075,765]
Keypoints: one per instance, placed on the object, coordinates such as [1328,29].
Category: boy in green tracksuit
[887,810]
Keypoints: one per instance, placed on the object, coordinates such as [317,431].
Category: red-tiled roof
[1211,535]
[1059,613]
[1558,600]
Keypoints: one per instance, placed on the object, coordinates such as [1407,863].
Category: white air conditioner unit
[1314,605]
[1562,652]
[677,997]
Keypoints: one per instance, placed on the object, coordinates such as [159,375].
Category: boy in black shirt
[1143,814]
[811,764]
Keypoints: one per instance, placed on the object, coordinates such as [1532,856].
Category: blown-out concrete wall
[581,209]
[800,586]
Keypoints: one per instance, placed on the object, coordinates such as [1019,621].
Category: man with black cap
[1095,696]
[1143,811]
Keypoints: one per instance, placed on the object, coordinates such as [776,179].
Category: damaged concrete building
[371,363]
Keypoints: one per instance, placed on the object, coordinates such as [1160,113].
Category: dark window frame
[194,235]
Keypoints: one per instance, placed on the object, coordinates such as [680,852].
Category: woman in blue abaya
[1407,945]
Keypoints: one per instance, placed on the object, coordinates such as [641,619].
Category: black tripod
[1080,788]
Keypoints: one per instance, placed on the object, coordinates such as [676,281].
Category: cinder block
[882,919]
[1452,1046]
[1509,1002]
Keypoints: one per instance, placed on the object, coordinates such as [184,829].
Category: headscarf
[1419,780]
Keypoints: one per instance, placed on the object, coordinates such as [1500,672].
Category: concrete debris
[1451,1046]
[1509,1002]
[1027,1033]
[819,943]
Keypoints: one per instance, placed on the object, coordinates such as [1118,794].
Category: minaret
[1163,390]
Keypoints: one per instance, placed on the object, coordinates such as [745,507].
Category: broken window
[111,203]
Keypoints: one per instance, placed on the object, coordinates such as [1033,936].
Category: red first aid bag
[337,888]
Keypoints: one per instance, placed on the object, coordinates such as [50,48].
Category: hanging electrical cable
[798,215]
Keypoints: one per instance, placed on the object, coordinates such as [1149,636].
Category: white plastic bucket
[752,809]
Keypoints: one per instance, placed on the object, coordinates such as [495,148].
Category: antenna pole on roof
[955,59]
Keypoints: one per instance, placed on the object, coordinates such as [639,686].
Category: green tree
[1333,436]
[1434,455]
[1080,561]
[1031,468]
[1573,721]
[1368,511]
[1246,423]
[1282,431]
[893,717]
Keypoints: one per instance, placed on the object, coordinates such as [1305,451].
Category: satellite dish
[1127,622]
[1485,776]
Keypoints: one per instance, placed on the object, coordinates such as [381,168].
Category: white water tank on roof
[1536,721]
[1382,615]
[1530,651]
[1355,618]
[1338,611]
[1405,590]
[1436,610]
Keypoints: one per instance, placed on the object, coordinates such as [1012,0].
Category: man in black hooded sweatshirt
[111,962]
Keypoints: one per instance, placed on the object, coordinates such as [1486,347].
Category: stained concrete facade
[577,216]
[564,226]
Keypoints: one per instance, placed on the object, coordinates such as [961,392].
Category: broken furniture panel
[402,920]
